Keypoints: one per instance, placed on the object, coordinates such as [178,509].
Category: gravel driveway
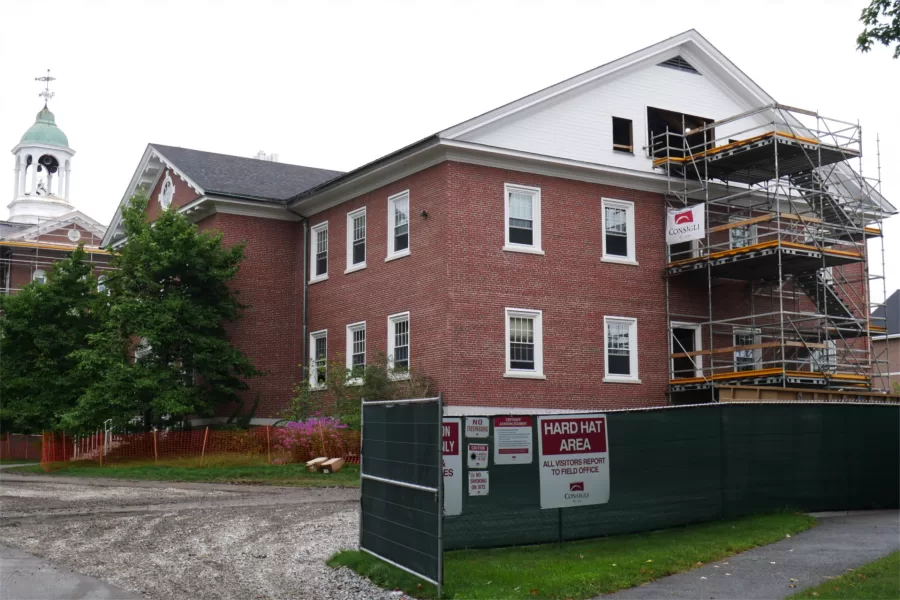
[167,540]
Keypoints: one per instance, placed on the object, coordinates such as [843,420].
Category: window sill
[318,279]
[355,381]
[523,375]
[402,376]
[317,388]
[614,379]
[523,249]
[353,268]
[391,257]
[620,261]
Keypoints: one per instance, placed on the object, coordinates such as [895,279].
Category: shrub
[316,436]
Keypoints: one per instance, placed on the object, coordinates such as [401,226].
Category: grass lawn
[586,568]
[879,580]
[215,470]
[18,461]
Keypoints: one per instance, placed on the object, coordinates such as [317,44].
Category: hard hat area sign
[574,460]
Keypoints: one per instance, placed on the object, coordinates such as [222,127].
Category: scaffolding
[777,293]
[28,251]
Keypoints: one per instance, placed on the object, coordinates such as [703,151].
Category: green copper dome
[45,131]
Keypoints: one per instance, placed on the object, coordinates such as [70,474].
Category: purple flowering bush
[316,436]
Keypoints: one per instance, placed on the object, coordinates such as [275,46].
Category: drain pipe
[304,340]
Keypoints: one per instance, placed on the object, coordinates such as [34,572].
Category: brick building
[528,258]
[43,225]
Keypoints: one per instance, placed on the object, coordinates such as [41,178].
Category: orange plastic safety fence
[18,446]
[204,446]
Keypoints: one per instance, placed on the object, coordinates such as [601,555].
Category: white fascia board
[249,208]
[48,147]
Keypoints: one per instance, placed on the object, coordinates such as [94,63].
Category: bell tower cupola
[43,162]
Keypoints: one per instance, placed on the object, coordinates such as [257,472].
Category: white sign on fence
[478,483]
[513,440]
[574,459]
[477,456]
[477,427]
[452,465]
[686,224]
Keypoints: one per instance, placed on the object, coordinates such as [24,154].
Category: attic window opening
[676,62]
[622,135]
[670,133]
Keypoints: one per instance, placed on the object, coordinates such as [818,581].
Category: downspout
[304,366]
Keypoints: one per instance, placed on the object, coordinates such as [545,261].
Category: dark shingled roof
[245,177]
[892,308]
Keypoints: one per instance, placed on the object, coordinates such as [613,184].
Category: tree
[40,329]
[875,31]
[162,353]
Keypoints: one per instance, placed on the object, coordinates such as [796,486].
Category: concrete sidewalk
[839,542]
[27,577]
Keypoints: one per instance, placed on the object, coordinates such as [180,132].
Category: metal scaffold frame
[783,272]
[41,251]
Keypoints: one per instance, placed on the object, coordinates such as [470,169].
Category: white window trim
[391,320]
[391,254]
[349,356]
[698,345]
[757,339]
[633,351]
[313,232]
[38,274]
[631,259]
[535,192]
[350,216]
[538,316]
[313,371]
[754,232]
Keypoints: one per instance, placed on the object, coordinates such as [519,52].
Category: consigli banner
[686,224]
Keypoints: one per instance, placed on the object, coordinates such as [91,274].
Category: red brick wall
[184,194]
[269,282]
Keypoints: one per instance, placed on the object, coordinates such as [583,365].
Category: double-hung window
[319,252]
[356,239]
[620,350]
[618,231]
[398,225]
[318,364]
[39,276]
[523,219]
[524,343]
[741,236]
[356,351]
[750,358]
[398,343]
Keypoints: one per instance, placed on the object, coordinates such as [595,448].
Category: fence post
[268,445]
[155,451]
[8,445]
[203,451]
[102,446]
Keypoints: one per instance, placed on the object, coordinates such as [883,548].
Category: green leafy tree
[882,24]
[40,328]
[162,353]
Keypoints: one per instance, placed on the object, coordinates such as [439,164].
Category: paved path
[839,542]
[24,576]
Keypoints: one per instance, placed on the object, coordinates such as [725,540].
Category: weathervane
[46,94]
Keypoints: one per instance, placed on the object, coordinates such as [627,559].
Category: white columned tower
[42,167]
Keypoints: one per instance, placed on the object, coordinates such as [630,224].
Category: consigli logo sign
[684,217]
[686,224]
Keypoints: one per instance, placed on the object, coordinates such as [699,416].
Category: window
[319,252]
[618,231]
[142,350]
[356,240]
[318,362]
[101,285]
[751,358]
[398,343]
[523,219]
[824,360]
[524,343]
[622,137]
[621,351]
[356,351]
[398,225]
[741,236]
[166,192]
[39,276]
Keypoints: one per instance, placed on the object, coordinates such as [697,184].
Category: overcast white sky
[336,84]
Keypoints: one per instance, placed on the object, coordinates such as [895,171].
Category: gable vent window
[622,140]
[676,62]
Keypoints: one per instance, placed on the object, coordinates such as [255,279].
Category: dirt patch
[185,543]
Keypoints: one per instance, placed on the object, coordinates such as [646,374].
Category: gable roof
[34,231]
[228,175]
[891,312]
